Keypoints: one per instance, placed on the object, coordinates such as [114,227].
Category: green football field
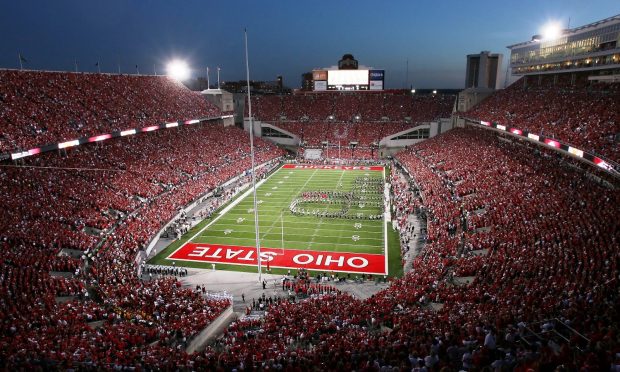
[308,212]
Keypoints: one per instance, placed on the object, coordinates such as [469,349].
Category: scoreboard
[348,79]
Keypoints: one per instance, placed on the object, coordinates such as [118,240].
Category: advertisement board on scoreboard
[320,85]
[376,75]
[319,75]
[376,85]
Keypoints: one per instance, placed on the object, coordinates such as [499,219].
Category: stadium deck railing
[103,137]
[609,166]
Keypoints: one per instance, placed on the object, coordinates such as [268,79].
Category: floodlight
[412,90]
[551,31]
[178,70]
[435,91]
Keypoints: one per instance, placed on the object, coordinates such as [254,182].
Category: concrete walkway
[237,284]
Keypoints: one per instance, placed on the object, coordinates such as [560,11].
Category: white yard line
[307,181]
[318,226]
[374,247]
[294,228]
[300,189]
[386,214]
[239,199]
[245,194]
[373,223]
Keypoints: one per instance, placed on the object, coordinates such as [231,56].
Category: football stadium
[370,218]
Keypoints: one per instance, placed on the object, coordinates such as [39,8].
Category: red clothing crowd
[40,107]
[342,118]
[344,107]
[107,201]
[585,116]
[538,236]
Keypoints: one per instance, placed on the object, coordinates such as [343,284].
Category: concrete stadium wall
[282,141]
[258,131]
[212,330]
[389,147]
[257,127]
[388,142]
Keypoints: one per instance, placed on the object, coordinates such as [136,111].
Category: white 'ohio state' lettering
[202,252]
[231,254]
[199,251]
[329,261]
[297,259]
[306,259]
[267,256]
[364,262]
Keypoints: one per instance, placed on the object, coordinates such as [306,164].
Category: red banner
[334,167]
[282,258]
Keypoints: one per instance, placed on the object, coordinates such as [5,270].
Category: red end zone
[282,258]
[334,167]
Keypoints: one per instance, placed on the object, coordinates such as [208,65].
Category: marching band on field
[347,199]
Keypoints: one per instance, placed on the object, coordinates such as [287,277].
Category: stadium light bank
[178,70]
[550,31]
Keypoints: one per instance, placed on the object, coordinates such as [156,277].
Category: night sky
[285,37]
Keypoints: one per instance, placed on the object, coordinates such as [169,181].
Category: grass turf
[274,196]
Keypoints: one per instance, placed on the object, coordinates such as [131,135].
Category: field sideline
[322,218]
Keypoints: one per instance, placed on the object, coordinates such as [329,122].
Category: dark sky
[286,37]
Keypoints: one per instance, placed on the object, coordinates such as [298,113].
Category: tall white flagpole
[218,78]
[247,71]
[209,85]
[282,224]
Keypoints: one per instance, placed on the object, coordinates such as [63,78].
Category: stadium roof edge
[78,72]
[572,30]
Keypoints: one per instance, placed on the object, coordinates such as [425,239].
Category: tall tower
[483,70]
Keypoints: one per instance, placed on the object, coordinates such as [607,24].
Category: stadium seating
[538,238]
[267,107]
[40,108]
[587,117]
[51,200]
[372,107]
[114,178]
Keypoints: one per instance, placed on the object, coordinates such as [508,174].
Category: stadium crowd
[133,313]
[39,107]
[344,107]
[585,116]
[342,118]
[62,308]
[550,265]
[364,133]
[537,237]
